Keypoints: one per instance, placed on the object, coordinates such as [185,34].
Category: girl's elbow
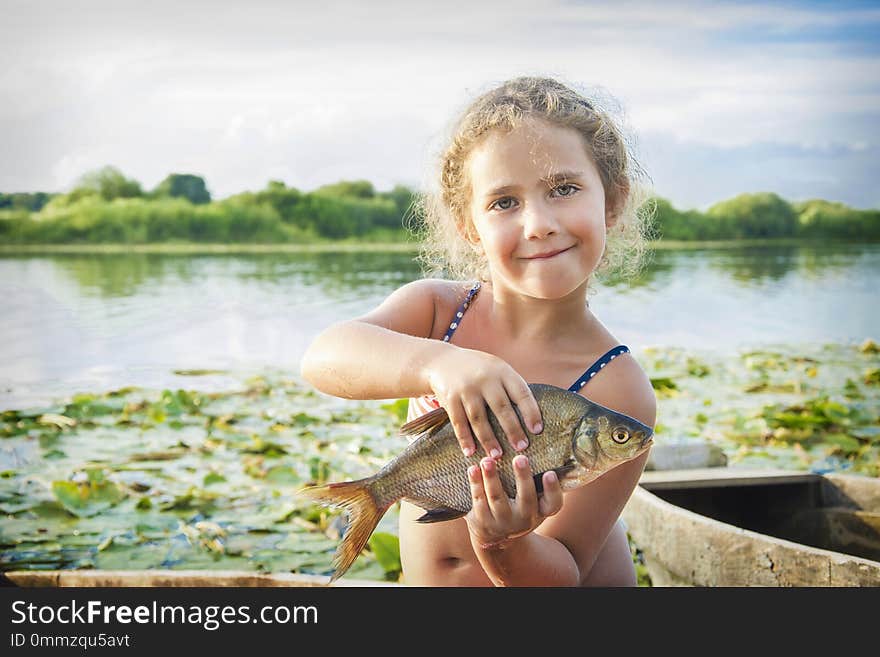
[310,366]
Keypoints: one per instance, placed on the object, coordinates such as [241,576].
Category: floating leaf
[842,443]
[283,474]
[87,498]
[664,386]
[386,548]
[399,409]
[56,420]
[213,478]
[264,447]
[697,368]
[304,419]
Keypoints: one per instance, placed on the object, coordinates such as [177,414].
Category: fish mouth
[646,437]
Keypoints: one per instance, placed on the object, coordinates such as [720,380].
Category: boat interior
[841,513]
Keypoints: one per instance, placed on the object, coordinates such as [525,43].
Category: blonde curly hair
[442,216]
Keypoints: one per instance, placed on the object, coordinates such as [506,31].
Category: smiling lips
[547,254]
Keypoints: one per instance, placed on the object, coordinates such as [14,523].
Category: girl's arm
[381,355]
[387,354]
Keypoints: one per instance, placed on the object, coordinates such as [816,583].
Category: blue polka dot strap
[596,367]
[461,311]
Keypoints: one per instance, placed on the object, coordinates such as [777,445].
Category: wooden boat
[172,578]
[726,526]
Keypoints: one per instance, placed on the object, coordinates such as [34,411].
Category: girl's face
[538,209]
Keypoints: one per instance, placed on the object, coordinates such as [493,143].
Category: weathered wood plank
[685,548]
[172,578]
[720,477]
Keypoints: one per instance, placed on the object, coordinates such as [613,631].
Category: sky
[721,98]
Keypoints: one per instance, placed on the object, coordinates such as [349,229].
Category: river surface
[74,323]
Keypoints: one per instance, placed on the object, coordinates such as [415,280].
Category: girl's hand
[466,382]
[495,518]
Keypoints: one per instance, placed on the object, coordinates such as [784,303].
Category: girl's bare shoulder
[419,307]
[625,387]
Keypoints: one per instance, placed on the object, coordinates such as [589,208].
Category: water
[90,323]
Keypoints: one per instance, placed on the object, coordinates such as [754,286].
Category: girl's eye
[565,190]
[503,204]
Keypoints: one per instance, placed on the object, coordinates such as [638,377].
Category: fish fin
[426,422]
[440,515]
[356,498]
[560,473]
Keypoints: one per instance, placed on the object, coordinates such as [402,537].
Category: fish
[581,441]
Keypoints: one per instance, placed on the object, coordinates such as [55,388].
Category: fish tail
[364,514]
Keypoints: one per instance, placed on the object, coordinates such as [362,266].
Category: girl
[531,184]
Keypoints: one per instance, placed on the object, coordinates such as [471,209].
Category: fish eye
[620,435]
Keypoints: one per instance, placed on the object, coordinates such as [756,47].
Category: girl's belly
[437,554]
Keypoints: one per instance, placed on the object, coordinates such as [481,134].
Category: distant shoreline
[188,248]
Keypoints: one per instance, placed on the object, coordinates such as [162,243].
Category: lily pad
[87,498]
[386,548]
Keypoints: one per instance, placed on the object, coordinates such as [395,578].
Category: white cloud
[304,92]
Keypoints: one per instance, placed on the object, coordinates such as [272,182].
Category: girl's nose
[539,221]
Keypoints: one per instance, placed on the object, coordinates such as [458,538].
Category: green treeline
[106,207]
[766,215]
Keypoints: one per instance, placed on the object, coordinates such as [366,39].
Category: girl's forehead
[532,147]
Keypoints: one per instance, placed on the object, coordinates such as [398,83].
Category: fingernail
[521,445]
[468,451]
[538,428]
[551,476]
[495,453]
[521,462]
[487,464]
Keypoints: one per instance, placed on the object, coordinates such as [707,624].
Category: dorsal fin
[426,422]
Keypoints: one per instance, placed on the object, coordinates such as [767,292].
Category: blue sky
[721,97]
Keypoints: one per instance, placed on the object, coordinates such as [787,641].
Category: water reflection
[114,275]
[105,320]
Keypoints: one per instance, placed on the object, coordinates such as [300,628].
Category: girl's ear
[614,204]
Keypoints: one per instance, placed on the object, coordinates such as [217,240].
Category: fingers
[520,394]
[479,505]
[526,495]
[551,501]
[502,407]
[496,498]
[494,518]
[478,417]
[476,408]
[461,425]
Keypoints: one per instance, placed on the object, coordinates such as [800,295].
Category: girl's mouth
[547,254]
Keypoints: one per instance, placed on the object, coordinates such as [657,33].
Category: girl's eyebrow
[561,177]
[554,178]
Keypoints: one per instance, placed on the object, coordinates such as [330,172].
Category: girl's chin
[548,288]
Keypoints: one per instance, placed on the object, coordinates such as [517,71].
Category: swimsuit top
[420,405]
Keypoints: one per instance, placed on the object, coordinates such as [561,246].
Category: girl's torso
[441,553]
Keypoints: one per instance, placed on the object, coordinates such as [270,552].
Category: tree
[108,183]
[349,188]
[184,185]
[756,215]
